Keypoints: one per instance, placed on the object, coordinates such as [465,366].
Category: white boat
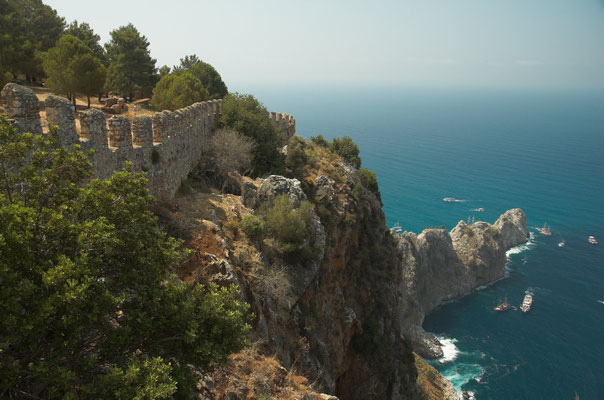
[527,303]
[561,244]
[592,240]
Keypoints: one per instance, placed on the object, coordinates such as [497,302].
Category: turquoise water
[542,152]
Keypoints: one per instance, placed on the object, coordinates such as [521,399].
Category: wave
[450,351]
[523,247]
[601,301]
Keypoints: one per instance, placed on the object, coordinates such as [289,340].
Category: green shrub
[296,156]
[177,91]
[252,226]
[369,181]
[288,226]
[246,115]
[88,300]
[347,149]
[320,141]
[494,232]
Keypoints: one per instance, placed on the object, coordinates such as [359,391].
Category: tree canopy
[88,306]
[71,68]
[177,91]
[85,33]
[27,28]
[131,67]
[246,115]
[209,77]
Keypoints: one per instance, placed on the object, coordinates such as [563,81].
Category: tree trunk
[74,101]
[100,97]
[88,101]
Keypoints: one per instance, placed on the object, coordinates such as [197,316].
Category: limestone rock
[513,229]
[276,185]
[249,194]
[115,105]
[22,106]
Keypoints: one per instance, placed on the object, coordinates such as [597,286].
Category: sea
[492,149]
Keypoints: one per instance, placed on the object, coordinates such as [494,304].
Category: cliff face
[440,266]
[346,318]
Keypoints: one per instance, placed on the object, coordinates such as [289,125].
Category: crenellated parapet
[284,122]
[167,146]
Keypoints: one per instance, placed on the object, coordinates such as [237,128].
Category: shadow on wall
[166,146]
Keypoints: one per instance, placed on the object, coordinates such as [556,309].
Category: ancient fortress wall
[166,146]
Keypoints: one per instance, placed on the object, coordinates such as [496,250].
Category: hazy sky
[467,43]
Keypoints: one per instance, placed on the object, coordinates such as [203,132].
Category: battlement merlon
[22,107]
[284,122]
[167,146]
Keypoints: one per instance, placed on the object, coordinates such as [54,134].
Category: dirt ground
[82,105]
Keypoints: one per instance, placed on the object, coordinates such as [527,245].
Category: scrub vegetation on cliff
[89,305]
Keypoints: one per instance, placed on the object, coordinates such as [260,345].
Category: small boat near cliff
[502,305]
[561,244]
[545,230]
[527,303]
[450,199]
[592,240]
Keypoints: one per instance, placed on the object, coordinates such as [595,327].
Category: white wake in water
[523,247]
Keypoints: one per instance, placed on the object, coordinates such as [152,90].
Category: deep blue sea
[542,151]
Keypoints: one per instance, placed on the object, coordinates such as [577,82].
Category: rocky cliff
[438,266]
[347,317]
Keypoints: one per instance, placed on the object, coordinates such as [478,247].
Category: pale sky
[543,44]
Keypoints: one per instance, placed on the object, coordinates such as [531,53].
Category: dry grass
[252,376]
[429,380]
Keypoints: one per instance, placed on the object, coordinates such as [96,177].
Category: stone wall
[284,122]
[166,146]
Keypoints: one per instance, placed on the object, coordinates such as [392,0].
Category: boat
[481,209]
[545,230]
[502,305]
[592,240]
[449,199]
[397,228]
[527,303]
[561,244]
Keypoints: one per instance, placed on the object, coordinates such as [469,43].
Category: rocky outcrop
[346,320]
[439,266]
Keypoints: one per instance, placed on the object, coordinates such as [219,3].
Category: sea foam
[450,351]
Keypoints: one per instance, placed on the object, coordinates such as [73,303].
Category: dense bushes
[177,91]
[289,225]
[252,226]
[88,306]
[369,181]
[296,156]
[245,114]
[347,149]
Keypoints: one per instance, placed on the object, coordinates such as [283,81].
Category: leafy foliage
[27,28]
[71,68]
[131,67]
[246,115]
[347,149]
[289,226]
[369,181]
[252,226]
[209,77]
[177,91]
[320,141]
[87,305]
[85,33]
[296,157]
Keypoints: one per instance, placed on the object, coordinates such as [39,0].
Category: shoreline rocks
[440,266]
